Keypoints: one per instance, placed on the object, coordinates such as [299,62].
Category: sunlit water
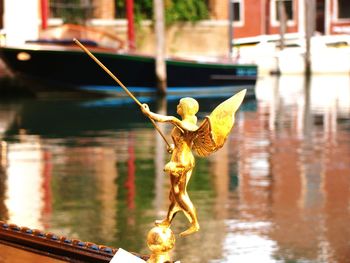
[279,190]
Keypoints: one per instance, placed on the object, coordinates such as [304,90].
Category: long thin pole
[120,84]
[230,27]
[283,22]
[44,13]
[159,29]
[310,7]
[131,28]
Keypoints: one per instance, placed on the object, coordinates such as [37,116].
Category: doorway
[320,16]
[1,14]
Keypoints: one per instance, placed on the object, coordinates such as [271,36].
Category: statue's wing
[212,133]
[204,143]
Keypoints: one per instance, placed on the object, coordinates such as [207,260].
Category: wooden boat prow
[46,245]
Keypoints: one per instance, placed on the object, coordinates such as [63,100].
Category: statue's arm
[182,125]
[160,118]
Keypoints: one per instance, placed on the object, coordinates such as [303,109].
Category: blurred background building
[250,18]
[202,27]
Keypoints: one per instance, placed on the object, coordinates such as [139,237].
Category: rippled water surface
[279,190]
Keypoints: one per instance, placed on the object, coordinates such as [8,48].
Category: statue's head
[187,107]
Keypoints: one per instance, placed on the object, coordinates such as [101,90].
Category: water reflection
[279,190]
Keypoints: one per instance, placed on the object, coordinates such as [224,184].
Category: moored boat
[55,67]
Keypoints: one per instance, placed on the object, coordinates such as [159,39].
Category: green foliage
[190,10]
[175,10]
[71,11]
[77,11]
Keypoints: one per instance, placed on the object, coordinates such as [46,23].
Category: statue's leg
[186,205]
[191,215]
[173,209]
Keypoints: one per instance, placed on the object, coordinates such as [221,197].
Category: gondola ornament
[187,136]
[204,139]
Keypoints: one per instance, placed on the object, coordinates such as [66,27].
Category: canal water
[278,191]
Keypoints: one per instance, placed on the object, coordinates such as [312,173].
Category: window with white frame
[343,9]
[71,11]
[285,6]
[237,10]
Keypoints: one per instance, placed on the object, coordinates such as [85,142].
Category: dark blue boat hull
[73,69]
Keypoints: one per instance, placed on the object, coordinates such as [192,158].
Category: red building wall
[338,26]
[252,19]
[257,20]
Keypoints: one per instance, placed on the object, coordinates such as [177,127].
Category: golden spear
[120,84]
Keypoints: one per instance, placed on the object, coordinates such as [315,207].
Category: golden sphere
[160,239]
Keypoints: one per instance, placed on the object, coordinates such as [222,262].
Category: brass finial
[160,240]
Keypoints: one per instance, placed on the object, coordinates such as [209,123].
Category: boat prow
[24,243]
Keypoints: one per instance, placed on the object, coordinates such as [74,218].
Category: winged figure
[204,139]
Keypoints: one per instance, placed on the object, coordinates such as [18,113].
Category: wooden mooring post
[158,7]
[310,17]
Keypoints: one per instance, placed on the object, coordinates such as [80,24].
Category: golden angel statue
[203,140]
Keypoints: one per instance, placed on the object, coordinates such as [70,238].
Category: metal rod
[120,84]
